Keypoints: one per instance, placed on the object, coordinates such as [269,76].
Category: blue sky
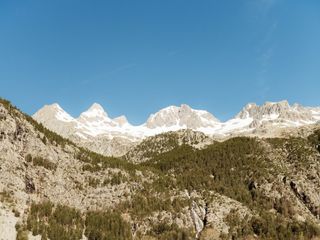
[135,57]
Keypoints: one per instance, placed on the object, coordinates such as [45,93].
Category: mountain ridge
[96,130]
[184,117]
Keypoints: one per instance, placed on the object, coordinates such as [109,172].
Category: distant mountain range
[95,122]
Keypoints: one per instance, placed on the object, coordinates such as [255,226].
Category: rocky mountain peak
[283,103]
[97,107]
[54,105]
[96,111]
[276,112]
[183,116]
[185,108]
[53,112]
[275,107]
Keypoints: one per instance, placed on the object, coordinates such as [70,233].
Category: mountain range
[177,185]
[95,130]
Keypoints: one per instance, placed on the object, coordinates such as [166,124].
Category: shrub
[39,161]
[164,231]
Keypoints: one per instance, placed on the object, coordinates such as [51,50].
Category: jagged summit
[95,111]
[282,110]
[54,111]
[183,116]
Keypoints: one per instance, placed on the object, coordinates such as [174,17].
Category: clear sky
[135,57]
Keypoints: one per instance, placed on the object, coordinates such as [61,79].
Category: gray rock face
[197,214]
[7,223]
[279,110]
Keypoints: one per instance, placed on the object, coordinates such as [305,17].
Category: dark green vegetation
[298,150]
[315,139]
[164,142]
[6,197]
[58,222]
[163,231]
[236,168]
[145,203]
[39,161]
[95,162]
[116,179]
[212,168]
[270,226]
[151,146]
[65,223]
[106,225]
